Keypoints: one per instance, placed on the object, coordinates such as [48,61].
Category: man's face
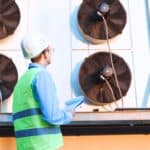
[48,54]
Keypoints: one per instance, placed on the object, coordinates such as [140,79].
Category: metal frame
[85,124]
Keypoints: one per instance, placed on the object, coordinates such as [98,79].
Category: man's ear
[45,54]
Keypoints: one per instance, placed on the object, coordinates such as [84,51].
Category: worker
[36,113]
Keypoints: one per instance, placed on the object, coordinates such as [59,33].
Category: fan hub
[107,71]
[103,8]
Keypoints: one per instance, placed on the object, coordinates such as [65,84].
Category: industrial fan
[97,78]
[9,17]
[91,23]
[8,76]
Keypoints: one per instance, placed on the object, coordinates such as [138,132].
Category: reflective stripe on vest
[37,131]
[26,113]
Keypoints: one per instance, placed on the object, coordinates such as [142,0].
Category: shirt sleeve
[45,93]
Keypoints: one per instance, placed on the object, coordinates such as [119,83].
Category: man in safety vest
[36,113]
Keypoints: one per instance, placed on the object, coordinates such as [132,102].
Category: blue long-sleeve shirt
[44,91]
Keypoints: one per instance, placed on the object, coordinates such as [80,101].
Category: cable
[115,75]
[1,101]
[110,88]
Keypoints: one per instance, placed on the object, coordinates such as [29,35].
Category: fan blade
[116,8]
[10,25]
[11,11]
[10,16]
[8,76]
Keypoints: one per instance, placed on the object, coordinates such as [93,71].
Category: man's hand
[73,103]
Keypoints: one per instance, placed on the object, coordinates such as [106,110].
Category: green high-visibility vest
[31,131]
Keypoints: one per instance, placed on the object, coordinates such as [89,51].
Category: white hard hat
[33,44]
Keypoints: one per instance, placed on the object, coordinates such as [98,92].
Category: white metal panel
[140,51]
[129,101]
[122,41]
[52,18]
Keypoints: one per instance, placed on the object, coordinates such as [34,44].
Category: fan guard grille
[92,26]
[92,84]
[9,17]
[8,76]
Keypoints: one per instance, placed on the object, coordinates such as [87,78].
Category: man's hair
[38,57]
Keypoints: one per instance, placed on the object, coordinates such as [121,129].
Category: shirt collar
[34,65]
